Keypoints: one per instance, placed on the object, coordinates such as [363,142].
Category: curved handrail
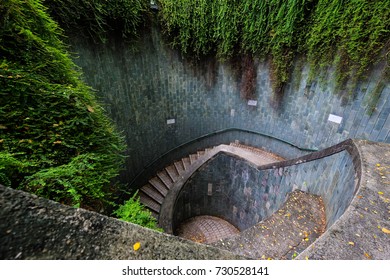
[216,133]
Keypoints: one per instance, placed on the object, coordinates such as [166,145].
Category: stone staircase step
[159,185]
[200,153]
[186,162]
[258,151]
[165,178]
[152,205]
[153,193]
[172,172]
[193,158]
[179,167]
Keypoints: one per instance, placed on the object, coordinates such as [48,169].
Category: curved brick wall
[142,90]
[244,194]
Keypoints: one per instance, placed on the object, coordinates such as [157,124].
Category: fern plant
[134,212]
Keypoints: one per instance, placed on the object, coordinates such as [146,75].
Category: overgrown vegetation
[133,211]
[95,19]
[352,34]
[349,34]
[55,139]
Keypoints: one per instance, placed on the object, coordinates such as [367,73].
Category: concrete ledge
[36,228]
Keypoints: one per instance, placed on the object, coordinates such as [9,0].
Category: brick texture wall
[144,88]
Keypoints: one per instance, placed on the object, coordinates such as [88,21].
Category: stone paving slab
[206,229]
[362,231]
[285,234]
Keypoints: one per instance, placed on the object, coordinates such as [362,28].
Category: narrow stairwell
[154,192]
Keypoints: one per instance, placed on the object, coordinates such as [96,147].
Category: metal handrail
[220,132]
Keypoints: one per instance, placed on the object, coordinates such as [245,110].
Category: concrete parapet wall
[36,228]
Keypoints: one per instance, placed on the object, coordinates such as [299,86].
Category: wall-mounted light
[171,121]
[335,119]
[252,102]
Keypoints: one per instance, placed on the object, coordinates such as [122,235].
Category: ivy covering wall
[350,35]
[97,19]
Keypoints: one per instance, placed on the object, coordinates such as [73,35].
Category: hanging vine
[347,34]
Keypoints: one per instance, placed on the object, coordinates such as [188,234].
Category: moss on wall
[347,34]
[55,139]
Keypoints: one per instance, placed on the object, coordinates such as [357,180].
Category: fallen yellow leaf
[351,243]
[378,165]
[385,230]
[367,256]
[380,193]
[136,246]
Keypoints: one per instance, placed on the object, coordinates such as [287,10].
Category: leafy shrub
[55,139]
[134,212]
[10,167]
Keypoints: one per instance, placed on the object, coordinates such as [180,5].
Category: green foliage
[134,212]
[351,34]
[97,18]
[189,30]
[84,181]
[347,33]
[10,167]
[373,98]
[54,136]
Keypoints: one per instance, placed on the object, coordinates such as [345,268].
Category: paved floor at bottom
[290,230]
[206,229]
